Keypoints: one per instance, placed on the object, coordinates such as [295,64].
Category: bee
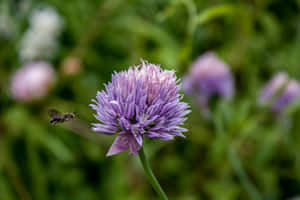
[58,117]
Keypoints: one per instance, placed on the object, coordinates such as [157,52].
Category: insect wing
[54,113]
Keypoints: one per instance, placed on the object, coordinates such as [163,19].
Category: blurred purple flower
[32,82]
[272,87]
[209,76]
[288,89]
[144,100]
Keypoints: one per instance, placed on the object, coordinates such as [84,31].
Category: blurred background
[57,54]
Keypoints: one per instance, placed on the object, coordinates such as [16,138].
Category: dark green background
[243,152]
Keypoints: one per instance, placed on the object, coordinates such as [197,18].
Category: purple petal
[105,129]
[122,142]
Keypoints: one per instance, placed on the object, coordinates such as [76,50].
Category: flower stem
[235,161]
[155,184]
[242,175]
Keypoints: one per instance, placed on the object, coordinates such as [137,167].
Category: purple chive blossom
[32,82]
[144,100]
[288,89]
[209,76]
[272,87]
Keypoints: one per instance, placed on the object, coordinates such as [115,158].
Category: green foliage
[243,152]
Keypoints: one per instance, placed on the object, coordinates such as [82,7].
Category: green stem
[210,14]
[155,184]
[235,161]
[242,175]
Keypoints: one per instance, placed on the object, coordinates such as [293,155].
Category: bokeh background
[242,152]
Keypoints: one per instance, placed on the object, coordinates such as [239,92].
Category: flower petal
[122,142]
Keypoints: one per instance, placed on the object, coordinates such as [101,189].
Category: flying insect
[58,117]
